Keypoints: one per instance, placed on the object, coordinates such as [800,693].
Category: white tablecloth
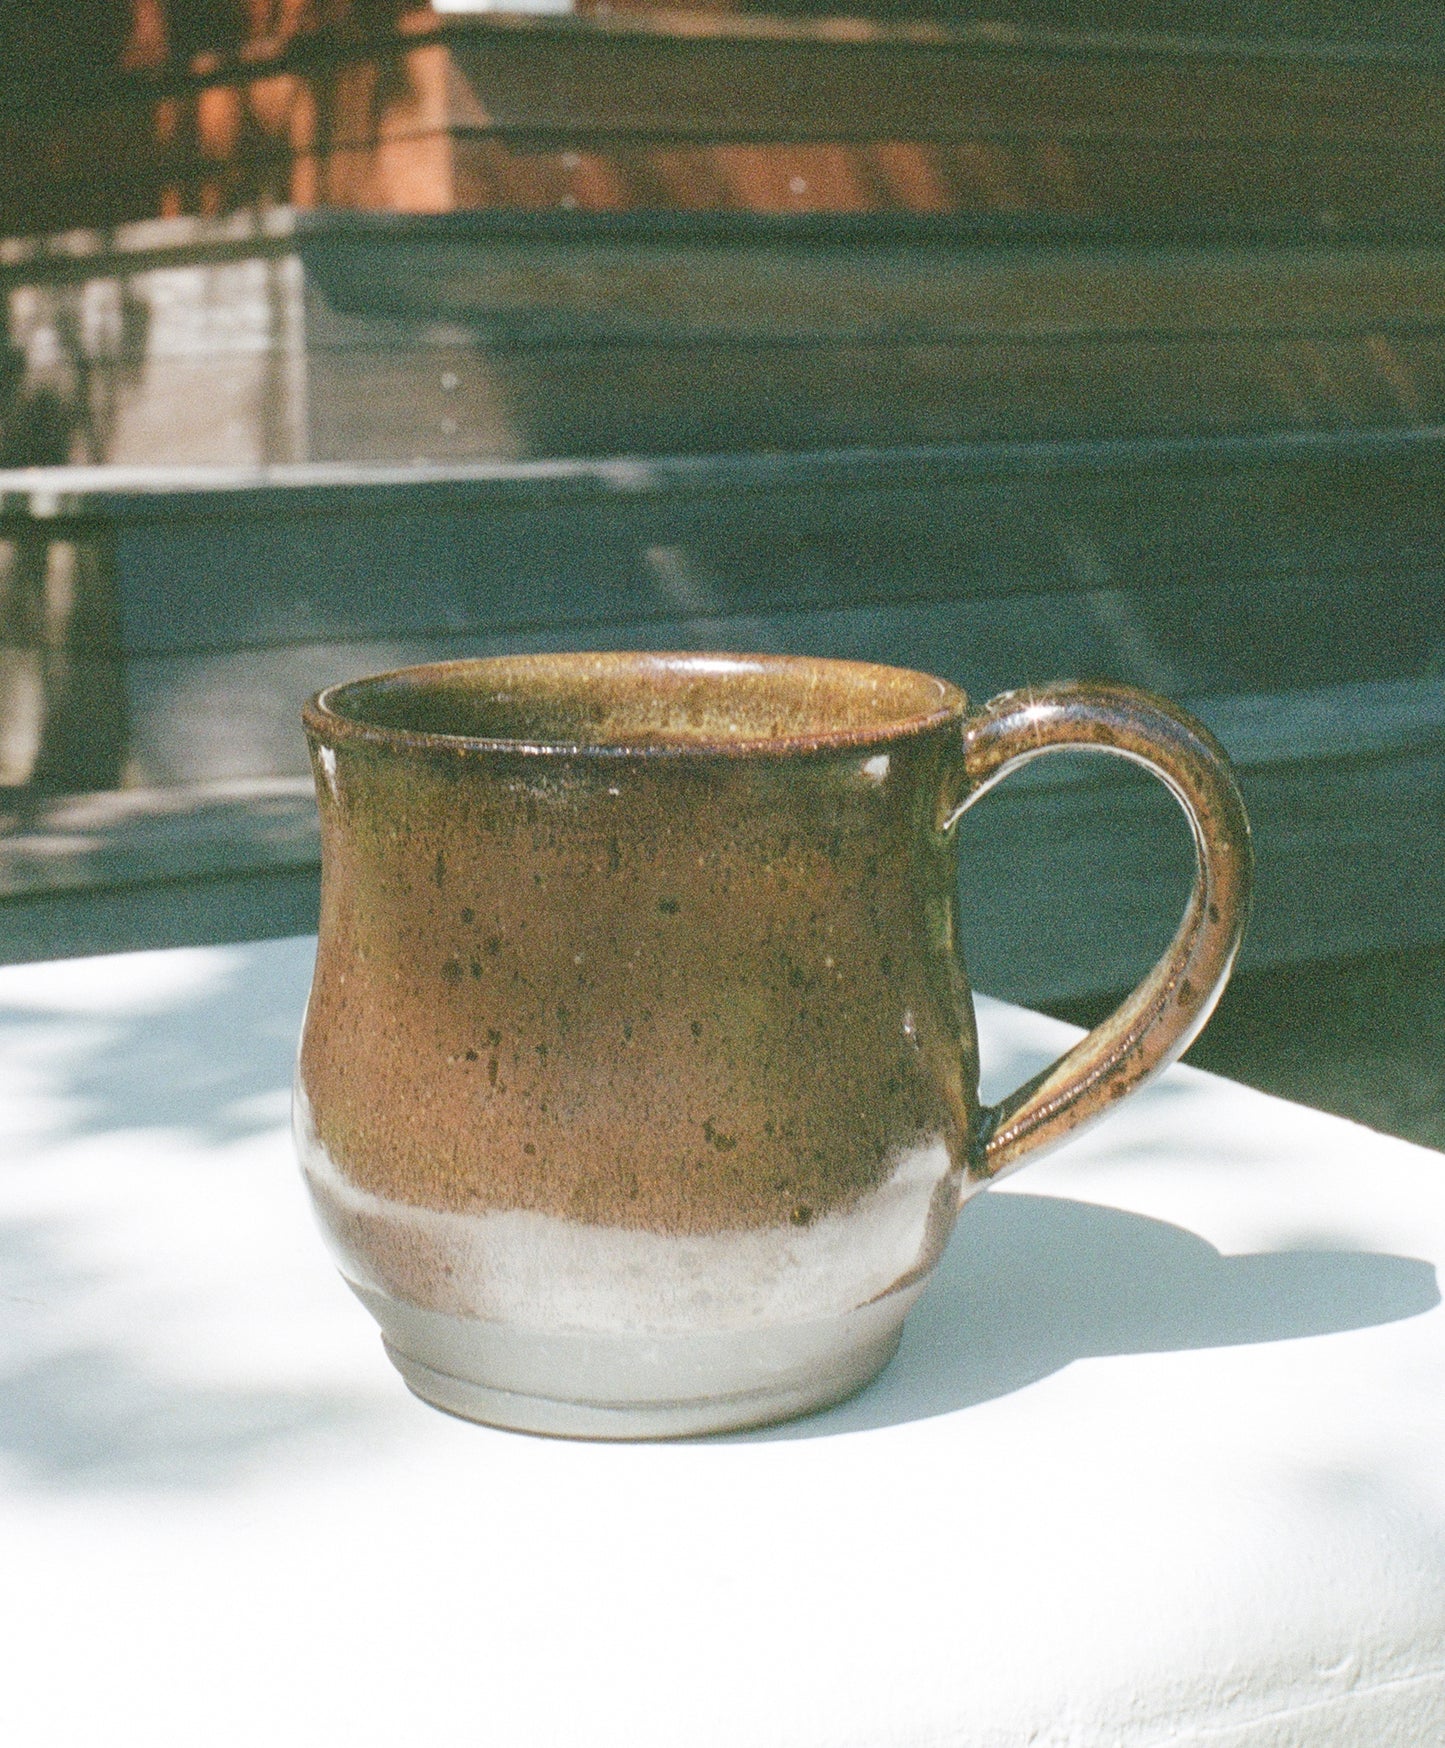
[1162,1459]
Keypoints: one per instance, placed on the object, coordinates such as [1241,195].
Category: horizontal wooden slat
[1407,27]
[720,396]
[205,911]
[1275,529]
[456,340]
[194,717]
[139,837]
[728,110]
[558,79]
[1241,568]
[843,285]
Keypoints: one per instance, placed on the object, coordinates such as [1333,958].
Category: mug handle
[1164,1015]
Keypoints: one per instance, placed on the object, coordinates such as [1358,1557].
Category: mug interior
[618,700]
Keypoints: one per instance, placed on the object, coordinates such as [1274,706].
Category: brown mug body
[638,1087]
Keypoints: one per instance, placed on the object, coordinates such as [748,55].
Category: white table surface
[1162,1459]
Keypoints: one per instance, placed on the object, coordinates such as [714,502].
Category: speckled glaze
[638,1086]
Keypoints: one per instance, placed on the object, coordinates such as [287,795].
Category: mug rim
[325,718]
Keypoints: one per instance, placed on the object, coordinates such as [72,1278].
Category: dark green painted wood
[1290,588]
[1307,543]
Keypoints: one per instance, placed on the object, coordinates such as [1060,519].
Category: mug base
[553,1418]
[617,1386]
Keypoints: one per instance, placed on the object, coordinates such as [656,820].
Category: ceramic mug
[638,1089]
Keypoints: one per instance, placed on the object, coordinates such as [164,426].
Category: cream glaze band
[547,1273]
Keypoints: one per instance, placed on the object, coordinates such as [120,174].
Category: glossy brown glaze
[698,975]
[1163,1016]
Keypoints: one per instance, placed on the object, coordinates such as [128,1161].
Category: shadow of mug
[1032,1283]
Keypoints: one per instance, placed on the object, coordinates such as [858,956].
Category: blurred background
[1011,341]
